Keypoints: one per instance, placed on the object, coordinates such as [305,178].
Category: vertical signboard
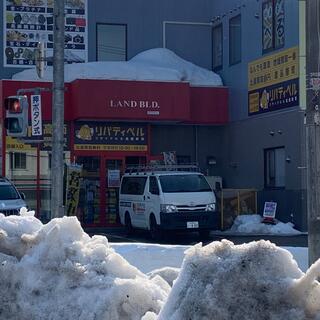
[74,173]
[36,117]
[28,22]
[279,24]
[273,28]
[267,25]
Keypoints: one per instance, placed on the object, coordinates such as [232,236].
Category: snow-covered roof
[157,64]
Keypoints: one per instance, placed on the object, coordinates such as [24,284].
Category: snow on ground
[157,64]
[62,273]
[249,281]
[56,271]
[253,224]
[147,257]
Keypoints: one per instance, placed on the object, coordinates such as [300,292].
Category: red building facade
[109,124]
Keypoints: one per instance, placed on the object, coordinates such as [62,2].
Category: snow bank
[253,224]
[157,64]
[148,257]
[169,274]
[250,281]
[56,271]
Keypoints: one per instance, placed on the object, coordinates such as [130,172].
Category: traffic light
[16,121]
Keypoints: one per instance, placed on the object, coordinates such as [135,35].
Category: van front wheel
[155,231]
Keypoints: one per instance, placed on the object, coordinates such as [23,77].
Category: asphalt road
[118,235]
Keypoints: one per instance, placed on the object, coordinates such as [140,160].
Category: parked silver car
[11,200]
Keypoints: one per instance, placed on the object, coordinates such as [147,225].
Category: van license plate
[192,224]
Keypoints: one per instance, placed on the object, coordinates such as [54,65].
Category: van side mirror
[23,196]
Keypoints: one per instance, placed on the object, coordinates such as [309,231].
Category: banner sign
[273,31]
[72,189]
[45,141]
[169,157]
[279,14]
[267,25]
[113,178]
[273,82]
[27,22]
[36,117]
[269,210]
[102,136]
[47,137]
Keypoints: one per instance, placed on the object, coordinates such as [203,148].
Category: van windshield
[8,192]
[184,183]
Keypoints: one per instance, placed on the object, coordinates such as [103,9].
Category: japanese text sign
[102,136]
[36,117]
[273,82]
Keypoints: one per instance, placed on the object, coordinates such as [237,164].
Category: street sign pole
[313,128]
[57,168]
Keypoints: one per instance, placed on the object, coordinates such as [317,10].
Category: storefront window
[113,170]
[89,198]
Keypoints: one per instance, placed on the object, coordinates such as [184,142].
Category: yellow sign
[110,147]
[273,69]
[74,173]
[16,145]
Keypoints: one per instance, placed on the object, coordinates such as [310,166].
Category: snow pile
[250,281]
[148,257]
[169,274]
[56,271]
[253,224]
[157,64]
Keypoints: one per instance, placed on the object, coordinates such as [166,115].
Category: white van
[167,200]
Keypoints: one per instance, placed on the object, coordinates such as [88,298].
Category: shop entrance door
[113,170]
[99,189]
[89,206]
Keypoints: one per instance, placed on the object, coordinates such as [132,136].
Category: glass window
[184,183]
[133,185]
[217,46]
[18,160]
[235,40]
[275,168]
[111,42]
[153,185]
[273,35]
[8,192]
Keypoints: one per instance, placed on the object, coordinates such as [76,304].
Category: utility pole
[313,127]
[57,166]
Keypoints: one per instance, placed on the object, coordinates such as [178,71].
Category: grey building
[262,145]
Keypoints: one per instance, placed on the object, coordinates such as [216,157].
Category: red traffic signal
[16,119]
[13,105]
